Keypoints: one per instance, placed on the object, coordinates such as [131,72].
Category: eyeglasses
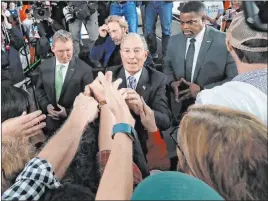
[190,22]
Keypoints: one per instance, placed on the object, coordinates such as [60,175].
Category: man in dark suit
[196,59]
[139,81]
[61,79]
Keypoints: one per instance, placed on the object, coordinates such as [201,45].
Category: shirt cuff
[41,171]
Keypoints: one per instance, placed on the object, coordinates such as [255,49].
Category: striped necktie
[132,82]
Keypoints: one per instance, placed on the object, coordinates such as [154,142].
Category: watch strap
[124,128]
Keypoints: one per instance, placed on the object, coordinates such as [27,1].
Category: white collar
[137,75]
[200,35]
[58,63]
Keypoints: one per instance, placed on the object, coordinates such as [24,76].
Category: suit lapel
[207,40]
[180,48]
[68,77]
[122,75]
[143,87]
[50,77]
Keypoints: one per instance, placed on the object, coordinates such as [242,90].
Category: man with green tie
[61,79]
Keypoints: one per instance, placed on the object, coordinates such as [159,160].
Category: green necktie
[59,81]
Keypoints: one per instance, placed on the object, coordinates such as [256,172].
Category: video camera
[40,11]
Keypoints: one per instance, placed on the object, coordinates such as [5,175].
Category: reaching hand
[133,100]
[115,101]
[86,108]
[97,88]
[191,92]
[147,117]
[24,125]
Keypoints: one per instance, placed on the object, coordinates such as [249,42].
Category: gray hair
[61,35]
[145,46]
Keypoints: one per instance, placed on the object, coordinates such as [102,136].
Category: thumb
[23,114]
[60,106]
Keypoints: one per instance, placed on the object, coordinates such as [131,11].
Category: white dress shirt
[64,69]
[137,76]
[199,38]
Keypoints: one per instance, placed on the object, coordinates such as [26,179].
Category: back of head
[174,186]
[69,191]
[15,101]
[250,46]
[227,149]
[16,152]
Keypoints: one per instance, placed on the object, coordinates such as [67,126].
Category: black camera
[40,11]
[68,13]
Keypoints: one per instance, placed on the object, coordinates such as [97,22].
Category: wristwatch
[124,128]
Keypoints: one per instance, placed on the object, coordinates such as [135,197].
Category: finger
[184,91]
[36,128]
[103,80]
[34,121]
[136,102]
[146,108]
[87,90]
[142,114]
[109,76]
[60,106]
[117,83]
[132,96]
[24,113]
[176,92]
[188,83]
[184,97]
[31,116]
[123,91]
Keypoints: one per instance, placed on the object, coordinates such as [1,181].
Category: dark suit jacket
[152,87]
[214,66]
[78,75]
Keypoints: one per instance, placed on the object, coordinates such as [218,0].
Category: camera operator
[46,23]
[11,42]
[78,12]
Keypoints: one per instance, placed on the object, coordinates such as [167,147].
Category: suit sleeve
[41,96]
[98,50]
[230,72]
[167,68]
[160,106]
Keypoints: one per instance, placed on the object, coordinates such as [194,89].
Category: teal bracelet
[124,128]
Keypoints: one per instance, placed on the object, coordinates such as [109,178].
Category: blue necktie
[132,82]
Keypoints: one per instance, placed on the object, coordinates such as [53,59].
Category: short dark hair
[253,57]
[68,191]
[193,6]
[14,102]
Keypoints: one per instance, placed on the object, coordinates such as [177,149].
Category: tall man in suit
[139,81]
[61,79]
[197,58]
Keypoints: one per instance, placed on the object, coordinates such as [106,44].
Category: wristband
[124,128]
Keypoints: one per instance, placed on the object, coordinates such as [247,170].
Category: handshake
[102,92]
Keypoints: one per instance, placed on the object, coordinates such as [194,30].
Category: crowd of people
[95,128]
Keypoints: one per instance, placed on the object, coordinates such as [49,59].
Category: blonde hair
[16,152]
[120,20]
[227,149]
